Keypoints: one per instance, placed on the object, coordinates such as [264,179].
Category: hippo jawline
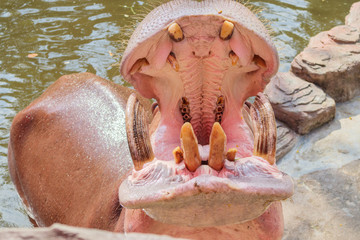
[201,68]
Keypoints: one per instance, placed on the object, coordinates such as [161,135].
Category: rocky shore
[317,106]
[325,163]
[326,72]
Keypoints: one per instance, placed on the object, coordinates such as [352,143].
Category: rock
[330,146]
[332,59]
[326,167]
[286,139]
[59,231]
[353,19]
[300,104]
[344,34]
[325,205]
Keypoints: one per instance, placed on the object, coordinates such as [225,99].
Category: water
[78,36]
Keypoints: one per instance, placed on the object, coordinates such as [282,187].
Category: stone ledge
[286,139]
[332,59]
[353,19]
[59,231]
[300,104]
[325,205]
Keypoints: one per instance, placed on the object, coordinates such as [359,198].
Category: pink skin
[75,132]
[205,72]
[268,226]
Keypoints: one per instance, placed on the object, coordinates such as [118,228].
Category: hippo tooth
[138,65]
[189,144]
[184,107]
[226,30]
[178,155]
[246,115]
[234,58]
[173,62]
[137,133]
[264,128]
[217,147]
[231,153]
[219,108]
[175,32]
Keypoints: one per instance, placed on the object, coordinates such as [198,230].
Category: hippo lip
[241,191]
[201,65]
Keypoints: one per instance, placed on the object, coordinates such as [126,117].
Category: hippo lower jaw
[186,190]
[170,194]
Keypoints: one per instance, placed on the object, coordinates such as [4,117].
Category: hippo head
[208,156]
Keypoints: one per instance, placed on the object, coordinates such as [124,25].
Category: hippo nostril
[193,52]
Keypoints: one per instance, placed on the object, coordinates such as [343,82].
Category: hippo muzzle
[208,156]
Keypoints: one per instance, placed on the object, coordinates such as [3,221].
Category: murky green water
[87,35]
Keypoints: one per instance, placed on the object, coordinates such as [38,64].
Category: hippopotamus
[198,162]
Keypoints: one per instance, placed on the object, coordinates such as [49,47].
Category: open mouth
[209,150]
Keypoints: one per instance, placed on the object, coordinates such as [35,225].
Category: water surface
[87,35]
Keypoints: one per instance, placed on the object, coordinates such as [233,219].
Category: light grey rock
[325,205]
[286,139]
[300,104]
[326,167]
[353,19]
[344,34]
[332,59]
[59,231]
[332,145]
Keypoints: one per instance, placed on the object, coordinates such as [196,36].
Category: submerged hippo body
[201,163]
